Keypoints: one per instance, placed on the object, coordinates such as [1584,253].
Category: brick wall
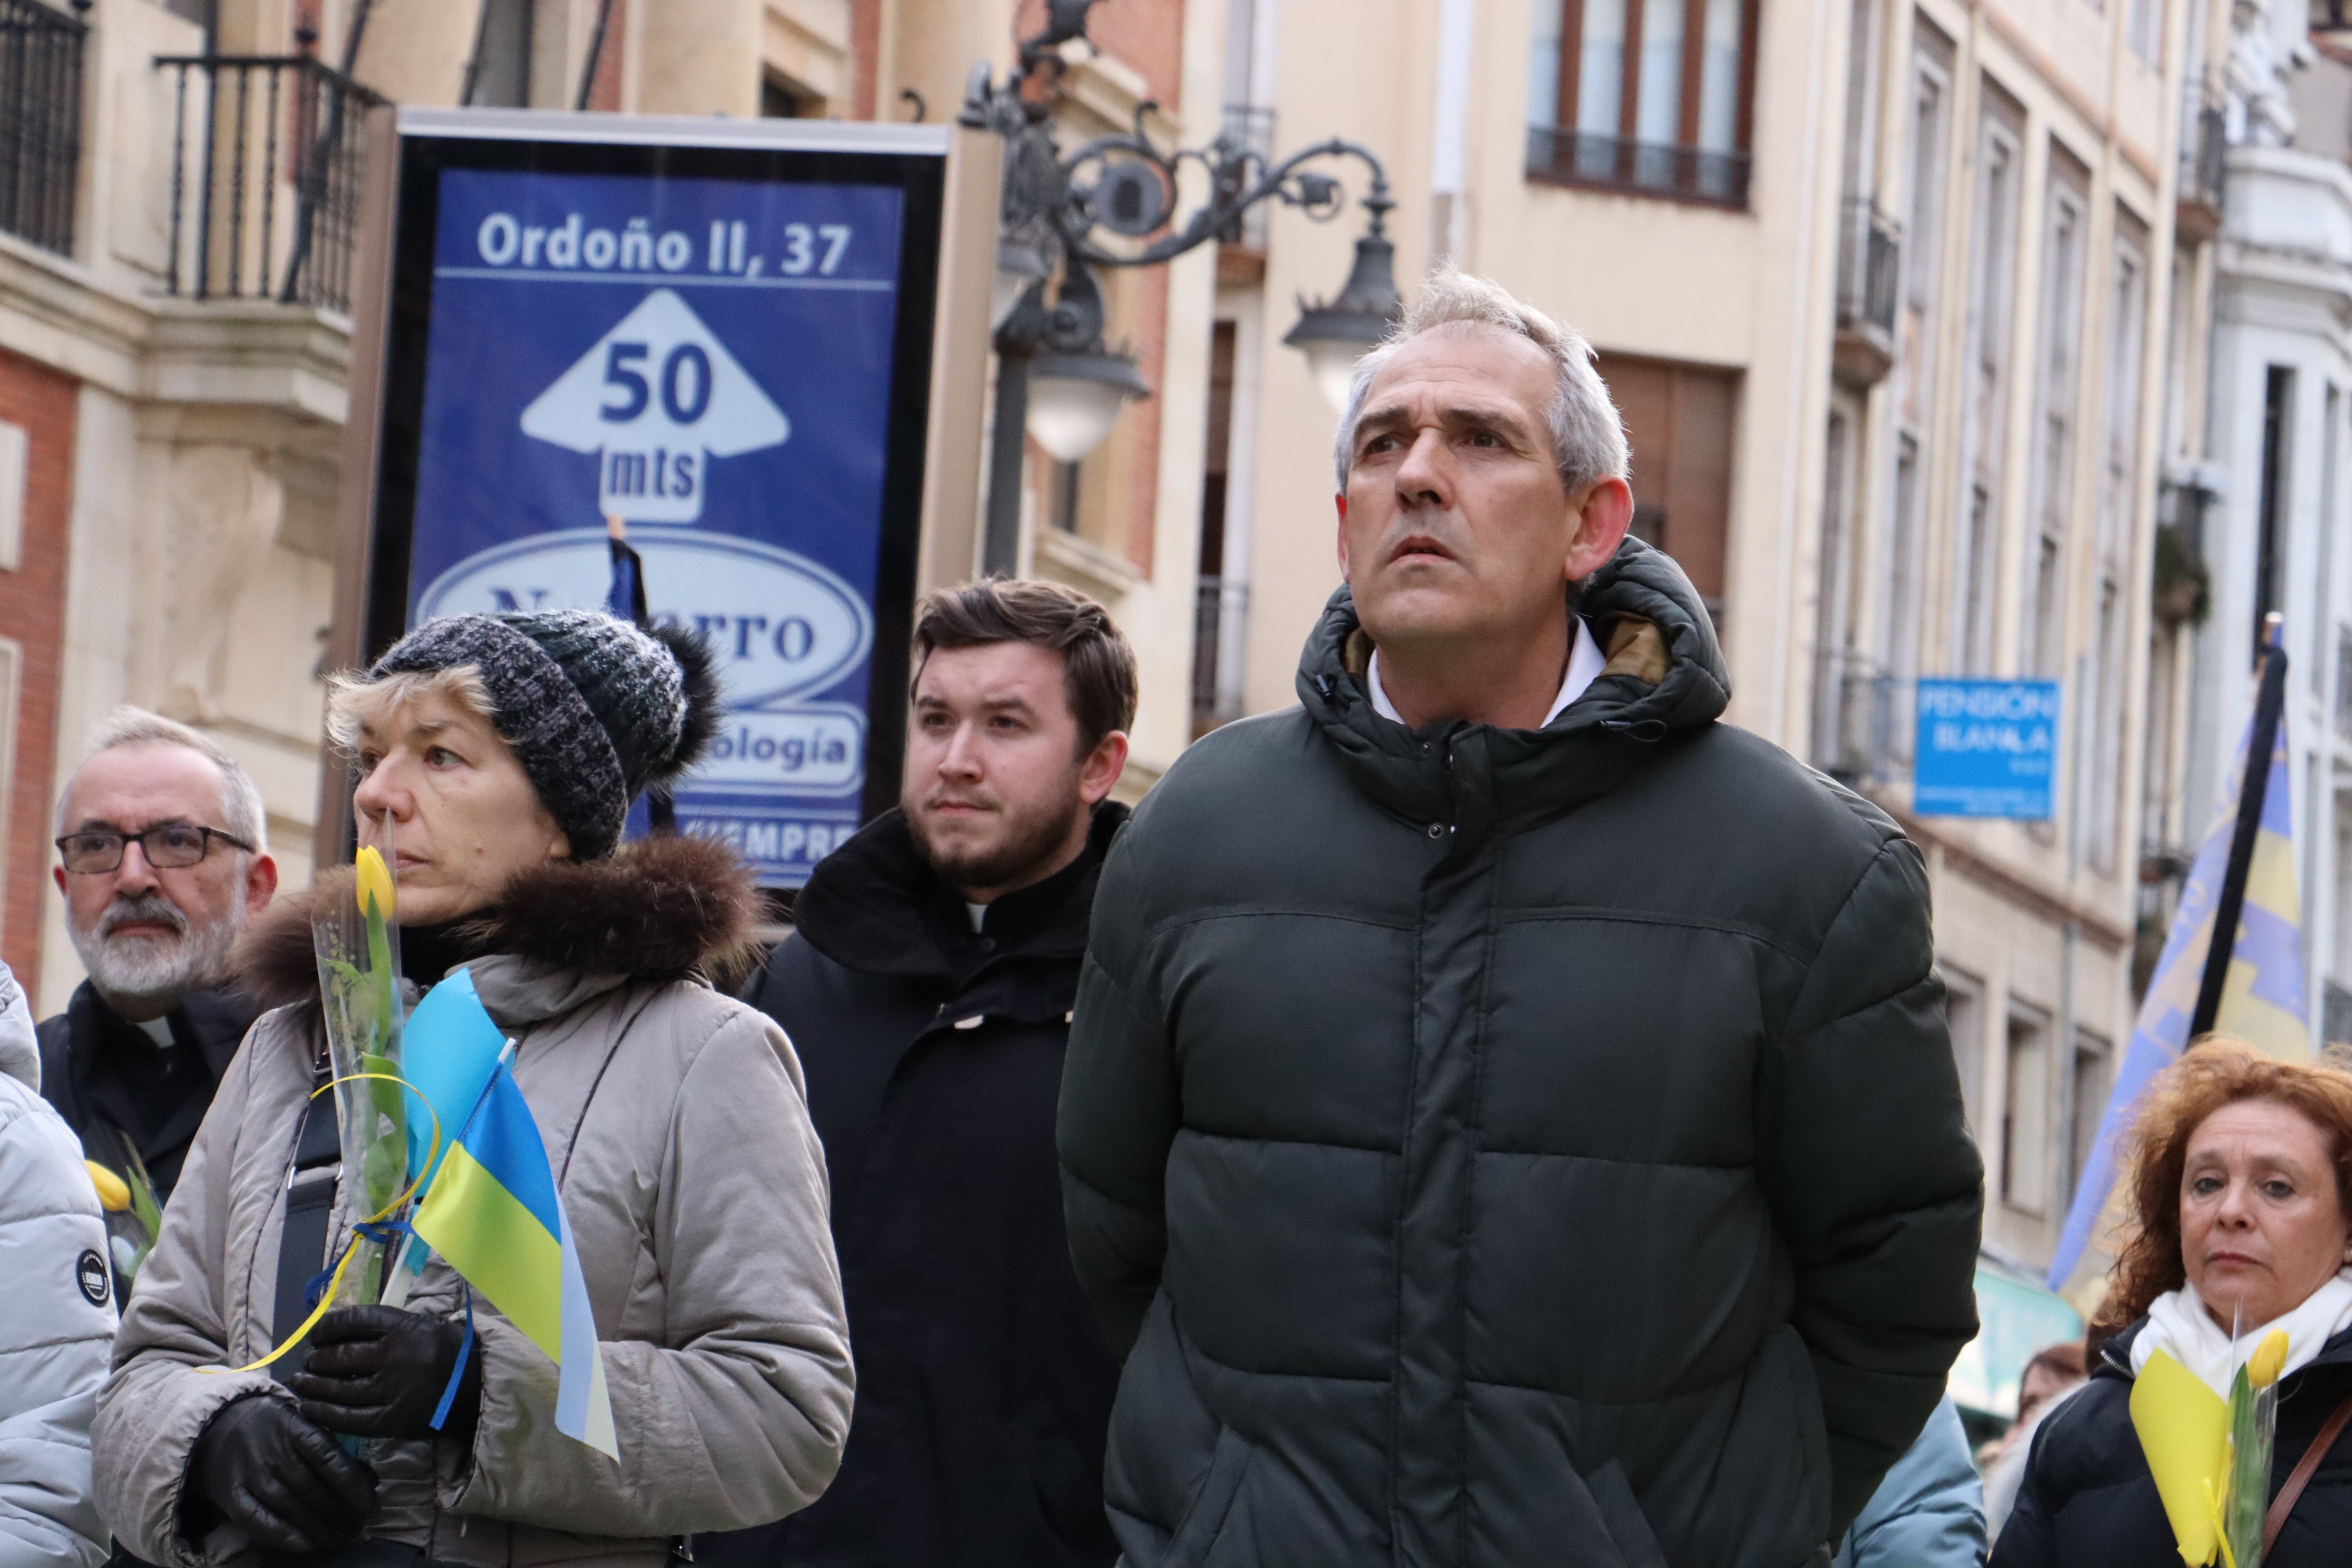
[865,48]
[1147,34]
[32,614]
[604,91]
[1150,327]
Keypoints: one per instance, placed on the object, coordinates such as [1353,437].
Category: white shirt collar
[1585,665]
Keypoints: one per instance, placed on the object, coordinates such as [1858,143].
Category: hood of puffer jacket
[658,909]
[1664,677]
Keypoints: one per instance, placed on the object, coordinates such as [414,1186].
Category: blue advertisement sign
[1986,748]
[716,354]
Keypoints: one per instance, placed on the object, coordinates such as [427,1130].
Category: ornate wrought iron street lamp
[1057,378]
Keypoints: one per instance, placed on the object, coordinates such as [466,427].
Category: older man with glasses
[162,855]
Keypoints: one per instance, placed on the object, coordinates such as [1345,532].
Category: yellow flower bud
[374,884]
[113,1195]
[2269,1359]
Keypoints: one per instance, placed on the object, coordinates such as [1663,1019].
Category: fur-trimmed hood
[657,909]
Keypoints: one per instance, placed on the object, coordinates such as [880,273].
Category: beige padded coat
[676,1120]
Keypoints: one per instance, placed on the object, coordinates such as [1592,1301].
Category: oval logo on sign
[782,625]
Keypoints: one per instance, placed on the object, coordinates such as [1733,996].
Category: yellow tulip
[2269,1359]
[374,884]
[113,1195]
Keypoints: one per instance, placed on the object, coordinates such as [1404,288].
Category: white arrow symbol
[659,395]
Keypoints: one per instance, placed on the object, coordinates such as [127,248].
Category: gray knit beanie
[595,709]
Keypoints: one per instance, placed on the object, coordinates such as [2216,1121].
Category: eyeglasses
[168,847]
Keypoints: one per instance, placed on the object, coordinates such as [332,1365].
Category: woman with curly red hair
[2240,1191]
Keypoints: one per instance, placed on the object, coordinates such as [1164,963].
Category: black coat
[933,1058]
[119,1091]
[2088,1502]
[1508,1147]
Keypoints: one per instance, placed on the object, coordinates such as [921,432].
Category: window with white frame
[1927,131]
[1992,282]
[1964,1015]
[1645,95]
[2093,1074]
[1906,554]
[2057,376]
[2102,698]
[2025,1111]
[1837,678]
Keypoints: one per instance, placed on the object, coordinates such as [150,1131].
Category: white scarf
[2179,1325]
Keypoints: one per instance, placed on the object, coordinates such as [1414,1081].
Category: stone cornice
[246,353]
[51,311]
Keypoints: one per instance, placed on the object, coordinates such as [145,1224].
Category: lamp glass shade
[1017,267]
[1005,292]
[1332,362]
[1070,415]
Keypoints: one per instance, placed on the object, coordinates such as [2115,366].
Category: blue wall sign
[1986,748]
[725,345]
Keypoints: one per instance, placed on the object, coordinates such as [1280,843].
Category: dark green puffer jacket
[1502,1148]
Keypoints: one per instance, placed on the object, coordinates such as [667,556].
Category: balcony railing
[1863,718]
[1870,266]
[1250,128]
[40,121]
[1870,272]
[2204,172]
[1562,155]
[264,178]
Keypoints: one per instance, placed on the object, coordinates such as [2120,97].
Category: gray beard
[150,970]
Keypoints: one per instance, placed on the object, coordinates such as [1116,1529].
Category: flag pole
[627,600]
[2270,701]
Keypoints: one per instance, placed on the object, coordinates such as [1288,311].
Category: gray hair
[240,803]
[1588,439]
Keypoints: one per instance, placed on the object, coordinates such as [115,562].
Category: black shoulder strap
[309,1214]
[2283,1504]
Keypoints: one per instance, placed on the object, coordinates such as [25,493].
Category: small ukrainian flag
[493,1215]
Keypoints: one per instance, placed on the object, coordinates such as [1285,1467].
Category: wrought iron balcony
[1870,272]
[1863,718]
[264,178]
[1249,129]
[2204,171]
[41,51]
[1562,155]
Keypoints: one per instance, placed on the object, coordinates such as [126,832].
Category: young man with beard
[163,855]
[928,987]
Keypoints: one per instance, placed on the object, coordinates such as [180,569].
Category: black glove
[280,1479]
[378,1372]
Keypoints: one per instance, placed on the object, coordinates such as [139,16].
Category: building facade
[2271,515]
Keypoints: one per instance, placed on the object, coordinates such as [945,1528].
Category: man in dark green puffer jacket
[1510,1119]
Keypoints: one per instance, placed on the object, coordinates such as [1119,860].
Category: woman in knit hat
[507,749]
